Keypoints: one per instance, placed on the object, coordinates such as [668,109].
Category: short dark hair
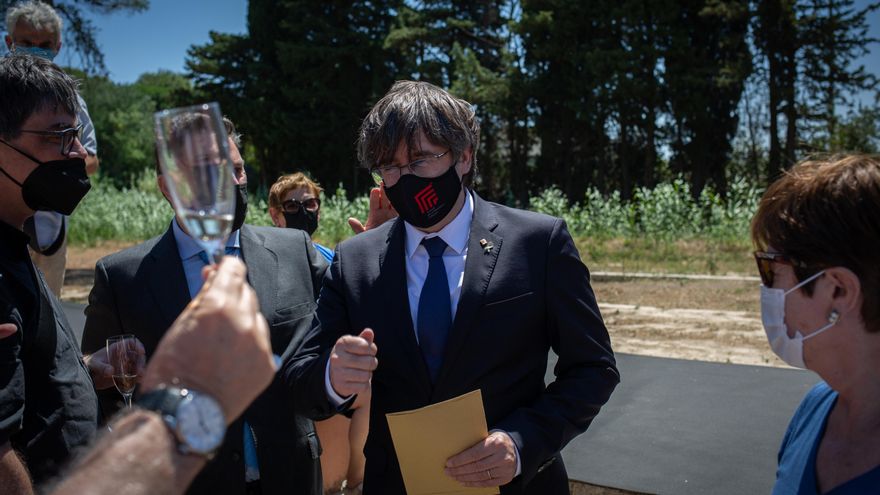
[823,213]
[231,132]
[29,84]
[413,106]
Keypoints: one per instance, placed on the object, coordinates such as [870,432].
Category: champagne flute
[123,355]
[193,151]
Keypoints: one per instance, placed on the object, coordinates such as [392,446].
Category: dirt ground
[707,320]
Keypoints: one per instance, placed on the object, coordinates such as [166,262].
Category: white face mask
[789,349]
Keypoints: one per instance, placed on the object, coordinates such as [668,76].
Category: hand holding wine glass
[126,355]
[197,169]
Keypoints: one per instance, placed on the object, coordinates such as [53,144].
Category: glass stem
[127,399]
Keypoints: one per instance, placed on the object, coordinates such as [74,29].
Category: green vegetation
[663,229]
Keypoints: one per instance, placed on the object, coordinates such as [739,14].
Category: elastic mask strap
[805,282]
[10,177]
[38,162]
[817,332]
[22,153]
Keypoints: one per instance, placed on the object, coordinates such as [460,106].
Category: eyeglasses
[765,265]
[293,206]
[421,168]
[67,137]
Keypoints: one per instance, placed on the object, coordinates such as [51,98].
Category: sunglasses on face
[293,206]
[765,262]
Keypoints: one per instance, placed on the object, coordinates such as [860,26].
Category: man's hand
[491,462]
[219,345]
[102,371]
[380,212]
[352,362]
[7,329]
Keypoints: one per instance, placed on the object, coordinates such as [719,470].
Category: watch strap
[162,400]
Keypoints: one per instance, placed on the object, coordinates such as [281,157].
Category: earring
[833,317]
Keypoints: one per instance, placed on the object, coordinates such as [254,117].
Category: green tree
[833,34]
[707,63]
[776,36]
[122,115]
[300,82]
[167,89]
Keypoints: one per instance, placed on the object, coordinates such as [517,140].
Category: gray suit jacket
[142,290]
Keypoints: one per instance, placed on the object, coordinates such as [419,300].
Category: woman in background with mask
[817,231]
[295,202]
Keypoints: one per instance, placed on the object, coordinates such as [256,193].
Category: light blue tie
[435,308]
[251,466]
[230,251]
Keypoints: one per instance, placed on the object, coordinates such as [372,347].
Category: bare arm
[14,477]
[139,457]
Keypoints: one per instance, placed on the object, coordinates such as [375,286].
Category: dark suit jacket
[530,293]
[143,289]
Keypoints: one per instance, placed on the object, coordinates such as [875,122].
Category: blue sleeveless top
[796,474]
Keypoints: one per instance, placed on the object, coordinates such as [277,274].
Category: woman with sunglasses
[295,202]
[817,231]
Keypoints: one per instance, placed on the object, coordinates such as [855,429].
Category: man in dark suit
[142,290]
[455,295]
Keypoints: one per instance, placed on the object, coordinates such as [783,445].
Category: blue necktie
[230,251]
[435,308]
[251,466]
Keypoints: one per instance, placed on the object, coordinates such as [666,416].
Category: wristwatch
[195,419]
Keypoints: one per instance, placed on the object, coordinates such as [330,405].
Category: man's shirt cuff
[335,399]
[515,449]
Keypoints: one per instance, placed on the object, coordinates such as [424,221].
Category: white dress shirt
[189,249]
[455,234]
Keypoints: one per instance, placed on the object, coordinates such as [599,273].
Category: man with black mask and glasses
[34,28]
[457,294]
[47,403]
[141,290]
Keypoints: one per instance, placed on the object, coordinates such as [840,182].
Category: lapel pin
[486,245]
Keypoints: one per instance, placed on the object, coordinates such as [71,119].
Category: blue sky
[158,38]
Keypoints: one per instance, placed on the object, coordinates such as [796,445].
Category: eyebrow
[61,126]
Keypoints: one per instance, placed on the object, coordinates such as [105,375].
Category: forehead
[420,146]
[25,32]
[48,118]
[300,194]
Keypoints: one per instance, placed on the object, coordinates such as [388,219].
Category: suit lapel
[392,285]
[262,268]
[478,268]
[166,279]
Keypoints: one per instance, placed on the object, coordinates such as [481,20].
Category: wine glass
[193,151]
[123,354]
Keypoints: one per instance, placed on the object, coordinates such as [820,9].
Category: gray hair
[38,14]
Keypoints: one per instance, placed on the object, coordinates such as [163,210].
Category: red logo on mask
[426,198]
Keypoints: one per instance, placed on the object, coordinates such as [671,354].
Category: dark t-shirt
[48,405]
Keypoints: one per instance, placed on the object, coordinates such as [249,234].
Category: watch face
[201,422]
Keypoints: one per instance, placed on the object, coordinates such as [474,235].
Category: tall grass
[664,228]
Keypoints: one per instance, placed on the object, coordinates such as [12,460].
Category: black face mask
[241,203]
[302,220]
[424,202]
[57,185]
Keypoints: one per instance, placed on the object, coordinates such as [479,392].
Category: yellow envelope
[425,438]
